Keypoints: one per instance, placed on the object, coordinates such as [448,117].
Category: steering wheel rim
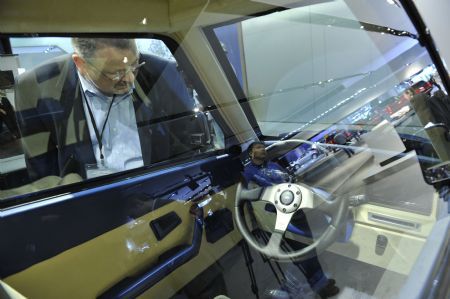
[308,198]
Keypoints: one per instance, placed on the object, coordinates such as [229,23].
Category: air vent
[394,221]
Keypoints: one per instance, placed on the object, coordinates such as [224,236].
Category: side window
[75,109]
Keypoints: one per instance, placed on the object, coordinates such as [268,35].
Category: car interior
[349,98]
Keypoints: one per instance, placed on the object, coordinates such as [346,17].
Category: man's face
[409,94]
[112,70]
[258,152]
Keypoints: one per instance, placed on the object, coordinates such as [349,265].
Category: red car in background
[422,87]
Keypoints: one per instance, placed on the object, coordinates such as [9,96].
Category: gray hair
[86,47]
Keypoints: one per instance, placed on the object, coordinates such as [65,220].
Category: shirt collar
[90,90]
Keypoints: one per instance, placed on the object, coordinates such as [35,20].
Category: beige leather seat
[41,184]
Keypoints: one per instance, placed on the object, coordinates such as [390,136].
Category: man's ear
[79,63]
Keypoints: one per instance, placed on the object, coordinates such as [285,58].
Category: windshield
[311,71]
[311,66]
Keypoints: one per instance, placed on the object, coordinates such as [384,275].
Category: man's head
[409,93]
[257,152]
[110,64]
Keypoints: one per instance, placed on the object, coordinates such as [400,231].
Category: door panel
[103,260]
[81,245]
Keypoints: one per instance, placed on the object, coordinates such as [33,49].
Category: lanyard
[97,134]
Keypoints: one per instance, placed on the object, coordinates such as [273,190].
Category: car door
[120,234]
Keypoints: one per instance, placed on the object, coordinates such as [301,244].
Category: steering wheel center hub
[287,197]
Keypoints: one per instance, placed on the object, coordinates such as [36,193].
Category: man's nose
[129,77]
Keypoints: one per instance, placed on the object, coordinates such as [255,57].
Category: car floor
[355,279]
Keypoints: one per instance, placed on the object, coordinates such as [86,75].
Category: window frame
[230,74]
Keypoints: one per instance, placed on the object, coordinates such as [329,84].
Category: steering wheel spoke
[251,194]
[273,247]
[282,221]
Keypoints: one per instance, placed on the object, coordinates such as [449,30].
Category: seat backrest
[437,134]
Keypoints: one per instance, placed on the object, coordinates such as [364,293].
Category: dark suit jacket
[53,124]
[439,105]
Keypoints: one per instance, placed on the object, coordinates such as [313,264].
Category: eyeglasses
[119,75]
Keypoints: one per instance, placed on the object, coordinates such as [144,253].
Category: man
[260,171]
[408,94]
[341,139]
[104,107]
[266,173]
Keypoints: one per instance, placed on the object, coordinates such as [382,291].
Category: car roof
[102,16]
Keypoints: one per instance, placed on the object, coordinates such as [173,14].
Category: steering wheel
[289,198]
